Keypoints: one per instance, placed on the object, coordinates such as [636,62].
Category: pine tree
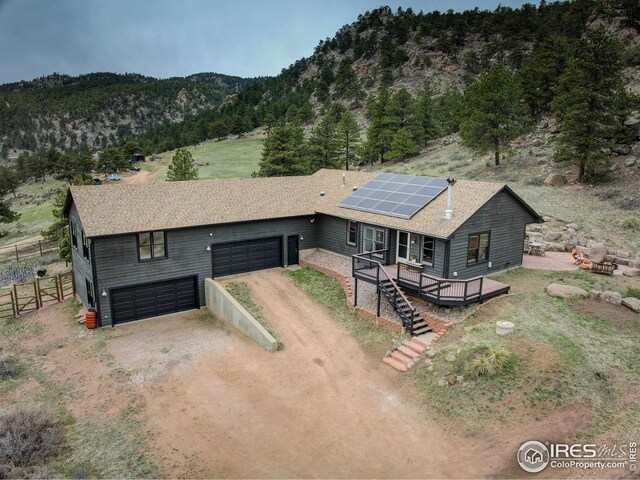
[59,229]
[283,153]
[9,180]
[404,113]
[382,126]
[323,148]
[492,112]
[348,134]
[587,97]
[345,79]
[425,114]
[403,144]
[182,167]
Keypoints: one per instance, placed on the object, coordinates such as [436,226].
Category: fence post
[14,304]
[15,295]
[17,257]
[36,290]
[40,245]
[59,288]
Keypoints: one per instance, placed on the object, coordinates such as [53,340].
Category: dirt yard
[195,398]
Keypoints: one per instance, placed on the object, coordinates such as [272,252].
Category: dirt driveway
[224,407]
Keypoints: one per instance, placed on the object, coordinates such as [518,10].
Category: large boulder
[565,291]
[622,149]
[555,247]
[613,298]
[633,119]
[597,253]
[555,180]
[630,162]
[632,272]
[632,303]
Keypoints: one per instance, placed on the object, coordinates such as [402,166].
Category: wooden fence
[31,296]
[24,251]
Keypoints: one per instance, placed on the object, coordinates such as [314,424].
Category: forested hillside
[95,110]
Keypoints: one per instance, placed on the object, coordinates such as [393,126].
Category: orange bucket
[91,319]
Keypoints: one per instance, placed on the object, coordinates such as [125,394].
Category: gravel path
[368,297]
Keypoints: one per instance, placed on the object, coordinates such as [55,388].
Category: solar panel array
[395,195]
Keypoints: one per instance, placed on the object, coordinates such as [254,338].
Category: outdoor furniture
[604,268]
[536,248]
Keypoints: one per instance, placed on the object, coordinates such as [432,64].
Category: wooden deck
[439,291]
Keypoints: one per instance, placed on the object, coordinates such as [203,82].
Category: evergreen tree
[492,112]
[425,114]
[586,99]
[382,126]
[9,180]
[403,144]
[283,153]
[182,167]
[323,148]
[345,78]
[59,229]
[348,135]
[113,159]
[74,167]
[219,129]
[404,113]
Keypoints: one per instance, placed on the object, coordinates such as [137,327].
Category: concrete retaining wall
[226,308]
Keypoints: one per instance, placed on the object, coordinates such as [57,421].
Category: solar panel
[395,195]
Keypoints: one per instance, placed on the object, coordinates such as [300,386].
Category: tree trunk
[497,152]
[346,158]
[580,170]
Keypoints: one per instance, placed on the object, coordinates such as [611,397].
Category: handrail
[430,286]
[366,256]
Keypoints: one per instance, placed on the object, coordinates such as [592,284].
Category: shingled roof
[120,209]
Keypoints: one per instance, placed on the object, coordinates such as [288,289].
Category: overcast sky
[164,38]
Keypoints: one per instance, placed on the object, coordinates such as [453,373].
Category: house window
[90,297]
[151,245]
[74,235]
[85,245]
[478,250]
[373,239]
[352,232]
[427,250]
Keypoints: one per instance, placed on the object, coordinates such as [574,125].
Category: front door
[402,251]
[292,250]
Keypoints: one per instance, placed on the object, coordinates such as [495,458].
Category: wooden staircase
[403,357]
[411,319]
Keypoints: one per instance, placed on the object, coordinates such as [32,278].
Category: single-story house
[144,250]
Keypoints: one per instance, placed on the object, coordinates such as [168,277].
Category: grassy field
[232,158]
[34,203]
[574,355]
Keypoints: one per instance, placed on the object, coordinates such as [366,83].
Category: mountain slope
[97,109]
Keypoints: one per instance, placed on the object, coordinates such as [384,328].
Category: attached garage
[152,299]
[246,256]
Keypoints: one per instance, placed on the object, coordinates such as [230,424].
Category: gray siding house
[140,251]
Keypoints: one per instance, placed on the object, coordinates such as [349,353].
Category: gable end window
[74,235]
[478,249]
[85,245]
[151,245]
[352,232]
[90,296]
[427,250]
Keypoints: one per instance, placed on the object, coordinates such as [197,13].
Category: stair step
[416,347]
[422,330]
[395,364]
[408,352]
[419,342]
[401,357]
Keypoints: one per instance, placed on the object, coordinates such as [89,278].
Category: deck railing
[369,266]
[437,290]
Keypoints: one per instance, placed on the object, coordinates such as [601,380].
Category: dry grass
[29,436]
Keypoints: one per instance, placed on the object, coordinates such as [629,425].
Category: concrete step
[416,347]
[408,352]
[401,357]
[395,364]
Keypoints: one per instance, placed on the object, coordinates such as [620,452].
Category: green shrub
[490,361]
[631,223]
[631,56]
[632,292]
[534,181]
[627,203]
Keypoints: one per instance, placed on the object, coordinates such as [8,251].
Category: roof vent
[354,188]
[322,194]
[448,213]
